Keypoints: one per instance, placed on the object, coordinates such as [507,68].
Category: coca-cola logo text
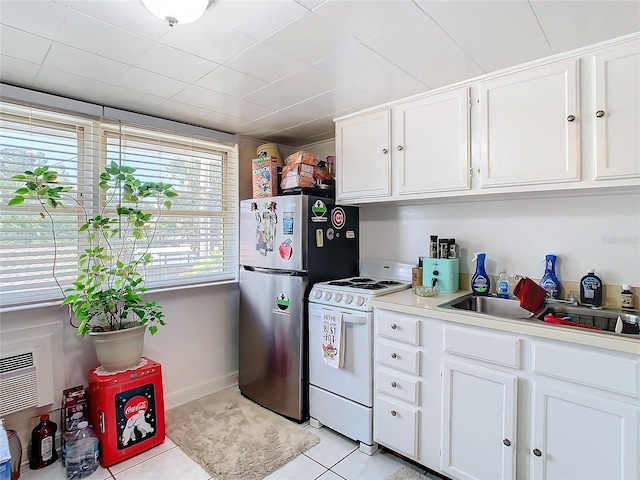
[134,405]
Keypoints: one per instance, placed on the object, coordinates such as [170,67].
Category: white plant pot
[120,349]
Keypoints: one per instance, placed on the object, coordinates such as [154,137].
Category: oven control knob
[337,297]
[318,293]
[359,301]
[348,299]
[327,295]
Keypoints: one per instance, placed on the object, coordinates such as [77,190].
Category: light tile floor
[334,458]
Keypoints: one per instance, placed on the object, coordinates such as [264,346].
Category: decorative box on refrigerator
[127,410]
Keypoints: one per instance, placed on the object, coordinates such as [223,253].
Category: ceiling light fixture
[177,11]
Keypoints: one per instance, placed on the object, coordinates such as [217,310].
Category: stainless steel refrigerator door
[272,346]
[273,232]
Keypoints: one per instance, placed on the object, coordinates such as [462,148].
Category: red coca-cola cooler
[127,410]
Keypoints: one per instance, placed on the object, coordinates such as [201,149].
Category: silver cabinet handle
[393,326]
[571,118]
[537,452]
[393,355]
[507,442]
[600,113]
[393,413]
[399,148]
[394,384]
[385,151]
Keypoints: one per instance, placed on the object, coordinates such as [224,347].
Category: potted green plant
[106,298]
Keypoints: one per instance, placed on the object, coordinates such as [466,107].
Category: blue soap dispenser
[480,282]
[549,280]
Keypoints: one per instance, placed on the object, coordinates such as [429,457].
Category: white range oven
[342,398]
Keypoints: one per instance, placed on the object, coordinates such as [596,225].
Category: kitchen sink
[602,318]
[494,306]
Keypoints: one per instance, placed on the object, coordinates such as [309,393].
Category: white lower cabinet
[582,436]
[479,428]
[478,403]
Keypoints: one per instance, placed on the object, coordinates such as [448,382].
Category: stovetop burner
[389,282]
[370,286]
[361,280]
[340,283]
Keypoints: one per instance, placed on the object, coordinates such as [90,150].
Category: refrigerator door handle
[274,271]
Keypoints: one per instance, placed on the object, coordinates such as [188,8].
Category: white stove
[342,398]
[376,278]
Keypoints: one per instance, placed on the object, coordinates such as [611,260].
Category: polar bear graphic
[136,421]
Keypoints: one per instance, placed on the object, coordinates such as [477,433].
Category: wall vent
[26,376]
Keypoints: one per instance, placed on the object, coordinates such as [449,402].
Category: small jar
[627,297]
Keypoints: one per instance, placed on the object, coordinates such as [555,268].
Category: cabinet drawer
[604,371]
[398,356]
[398,385]
[405,328]
[490,347]
[396,426]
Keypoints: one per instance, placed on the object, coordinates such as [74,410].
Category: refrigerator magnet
[319,238]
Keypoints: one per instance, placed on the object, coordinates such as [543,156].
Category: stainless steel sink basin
[605,318]
[494,306]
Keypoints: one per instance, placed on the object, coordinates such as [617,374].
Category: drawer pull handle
[537,452]
[385,151]
[507,442]
[571,118]
[394,413]
[394,326]
[394,355]
[394,384]
[600,113]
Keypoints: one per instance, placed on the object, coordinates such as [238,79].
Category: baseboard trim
[194,392]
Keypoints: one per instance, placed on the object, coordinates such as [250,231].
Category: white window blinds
[196,241]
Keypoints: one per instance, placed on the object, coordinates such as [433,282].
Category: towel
[333,340]
[531,294]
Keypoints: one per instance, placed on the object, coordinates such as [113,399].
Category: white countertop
[407,302]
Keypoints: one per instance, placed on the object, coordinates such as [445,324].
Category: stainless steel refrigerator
[287,244]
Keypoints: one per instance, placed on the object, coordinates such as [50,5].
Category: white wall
[197,348]
[601,232]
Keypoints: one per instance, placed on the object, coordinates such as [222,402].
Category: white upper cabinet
[530,126]
[431,143]
[617,112]
[363,168]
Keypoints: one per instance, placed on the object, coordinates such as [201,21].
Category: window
[196,241]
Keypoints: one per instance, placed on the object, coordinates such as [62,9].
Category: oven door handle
[357,319]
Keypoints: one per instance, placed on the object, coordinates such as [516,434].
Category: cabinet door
[431,143]
[617,96]
[363,168]
[479,422]
[529,127]
[583,437]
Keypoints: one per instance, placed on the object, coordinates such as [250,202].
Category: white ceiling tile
[69,85]
[84,64]
[258,19]
[174,63]
[348,97]
[95,36]
[221,121]
[39,17]
[232,82]
[266,63]
[130,100]
[574,24]
[429,55]
[309,39]
[201,97]
[392,84]
[366,18]
[26,46]
[310,4]
[253,129]
[208,38]
[308,82]
[17,72]
[284,118]
[180,111]
[151,83]
[496,34]
[130,15]
[354,64]
[275,97]
[243,109]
